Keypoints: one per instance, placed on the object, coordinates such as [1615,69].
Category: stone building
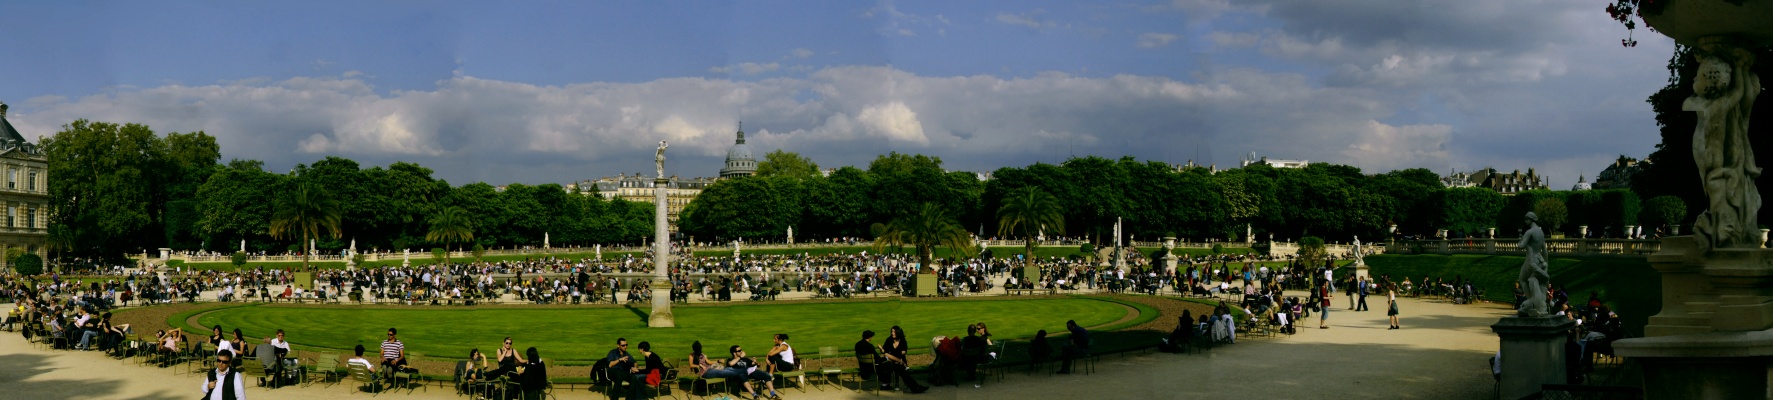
[1618,175]
[1277,163]
[739,161]
[1489,178]
[639,188]
[26,193]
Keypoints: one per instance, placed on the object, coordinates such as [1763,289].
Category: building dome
[739,161]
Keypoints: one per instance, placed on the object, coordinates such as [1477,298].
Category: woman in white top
[782,355]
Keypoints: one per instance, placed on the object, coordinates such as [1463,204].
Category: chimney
[2,110]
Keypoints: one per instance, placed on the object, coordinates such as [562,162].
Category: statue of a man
[659,159]
[1534,276]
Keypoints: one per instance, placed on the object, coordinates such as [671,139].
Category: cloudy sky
[539,92]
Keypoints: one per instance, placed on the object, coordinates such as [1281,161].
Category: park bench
[1016,292]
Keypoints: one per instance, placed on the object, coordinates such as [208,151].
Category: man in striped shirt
[393,353]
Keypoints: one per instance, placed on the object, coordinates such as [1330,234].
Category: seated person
[534,378]
[746,367]
[781,355]
[1180,336]
[393,353]
[359,360]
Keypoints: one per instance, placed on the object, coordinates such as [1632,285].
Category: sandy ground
[1441,354]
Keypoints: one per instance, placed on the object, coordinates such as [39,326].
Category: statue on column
[659,159]
[1534,276]
[1724,94]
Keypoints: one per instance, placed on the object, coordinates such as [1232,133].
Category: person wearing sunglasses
[508,358]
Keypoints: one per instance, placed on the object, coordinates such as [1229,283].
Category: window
[10,213]
[33,182]
[12,178]
[31,218]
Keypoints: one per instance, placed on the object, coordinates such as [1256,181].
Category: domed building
[739,161]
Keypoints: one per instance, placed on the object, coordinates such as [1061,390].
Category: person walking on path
[1391,299]
[1363,285]
[1323,316]
[1348,290]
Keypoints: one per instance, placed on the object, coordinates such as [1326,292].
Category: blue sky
[561,91]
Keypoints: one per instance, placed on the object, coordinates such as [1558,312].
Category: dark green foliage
[1664,210]
[28,264]
[238,258]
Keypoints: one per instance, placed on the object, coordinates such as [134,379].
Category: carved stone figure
[1534,276]
[1723,96]
[659,159]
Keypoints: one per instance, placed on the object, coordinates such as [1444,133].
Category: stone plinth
[1532,353]
[1722,365]
[661,316]
[1726,290]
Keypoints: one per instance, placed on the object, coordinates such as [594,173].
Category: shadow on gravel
[15,369]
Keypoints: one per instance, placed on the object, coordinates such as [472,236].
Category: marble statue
[1359,259]
[1534,276]
[659,159]
[242,245]
[1724,94]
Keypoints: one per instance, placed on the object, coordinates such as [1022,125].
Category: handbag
[653,378]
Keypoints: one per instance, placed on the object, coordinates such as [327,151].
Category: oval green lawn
[588,333]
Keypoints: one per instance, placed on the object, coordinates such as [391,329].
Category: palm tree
[1029,212]
[924,230]
[450,225]
[307,211]
[60,241]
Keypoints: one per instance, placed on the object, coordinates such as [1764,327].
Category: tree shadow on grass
[18,370]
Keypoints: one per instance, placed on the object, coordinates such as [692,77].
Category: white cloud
[1150,40]
[800,53]
[1020,20]
[893,121]
[1385,147]
[749,68]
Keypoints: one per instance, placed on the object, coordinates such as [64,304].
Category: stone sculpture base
[661,315]
[1532,353]
[1361,270]
[1721,365]
[1713,338]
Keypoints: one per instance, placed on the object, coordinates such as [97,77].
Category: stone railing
[1636,248]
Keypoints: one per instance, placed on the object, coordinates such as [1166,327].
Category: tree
[1665,210]
[479,251]
[306,212]
[1029,213]
[924,230]
[1311,249]
[788,164]
[238,259]
[28,264]
[1551,212]
[450,225]
[1470,210]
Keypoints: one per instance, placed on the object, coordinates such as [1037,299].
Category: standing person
[1391,299]
[393,353]
[894,349]
[224,378]
[1364,285]
[1348,290]
[1077,346]
[1323,315]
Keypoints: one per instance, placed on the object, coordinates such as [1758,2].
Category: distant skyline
[557,92]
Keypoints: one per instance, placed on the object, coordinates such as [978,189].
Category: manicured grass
[587,333]
[1628,286]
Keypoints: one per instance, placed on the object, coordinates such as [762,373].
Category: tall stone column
[661,316]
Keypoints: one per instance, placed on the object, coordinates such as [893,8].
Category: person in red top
[1323,315]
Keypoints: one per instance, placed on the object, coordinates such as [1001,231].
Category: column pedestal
[661,316]
[1532,353]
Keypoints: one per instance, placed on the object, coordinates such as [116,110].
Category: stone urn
[1686,21]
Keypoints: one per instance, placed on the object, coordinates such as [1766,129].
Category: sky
[556,92]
